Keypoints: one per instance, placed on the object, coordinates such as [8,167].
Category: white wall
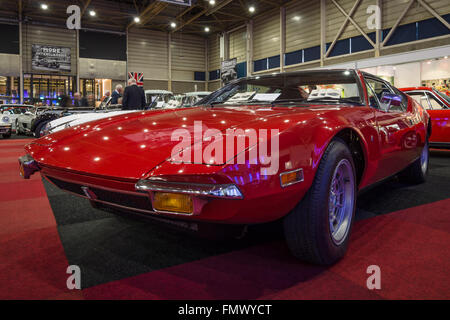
[407,75]
[436,69]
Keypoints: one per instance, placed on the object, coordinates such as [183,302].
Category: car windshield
[16,110]
[335,86]
[158,97]
[442,95]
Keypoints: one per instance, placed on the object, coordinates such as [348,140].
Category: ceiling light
[173,24]
[206,29]
[44,6]
[137,19]
[251,9]
[296,18]
[92,13]
[212,2]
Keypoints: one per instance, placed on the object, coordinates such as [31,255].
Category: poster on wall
[180,2]
[50,58]
[138,76]
[228,70]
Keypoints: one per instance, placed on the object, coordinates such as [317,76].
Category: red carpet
[32,260]
[412,257]
[410,246]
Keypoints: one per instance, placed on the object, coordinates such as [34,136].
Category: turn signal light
[173,202]
[291,177]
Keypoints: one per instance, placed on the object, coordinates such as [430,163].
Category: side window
[375,90]
[420,98]
[435,103]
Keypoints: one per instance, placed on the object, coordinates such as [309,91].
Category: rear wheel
[417,172]
[318,229]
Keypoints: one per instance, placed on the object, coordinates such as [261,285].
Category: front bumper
[27,166]
[5,129]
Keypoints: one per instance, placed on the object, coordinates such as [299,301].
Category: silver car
[24,121]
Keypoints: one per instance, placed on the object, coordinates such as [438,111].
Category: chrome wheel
[341,201]
[424,159]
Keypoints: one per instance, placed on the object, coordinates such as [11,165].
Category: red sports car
[293,146]
[437,105]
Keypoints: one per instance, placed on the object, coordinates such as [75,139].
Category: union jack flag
[138,76]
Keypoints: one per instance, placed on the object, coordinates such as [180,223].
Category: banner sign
[138,76]
[50,58]
[228,70]
[180,2]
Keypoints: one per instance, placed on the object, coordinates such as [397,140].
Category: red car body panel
[115,153]
[440,119]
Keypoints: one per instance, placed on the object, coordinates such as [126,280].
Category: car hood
[129,146]
[81,118]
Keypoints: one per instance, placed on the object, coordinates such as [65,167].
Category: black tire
[307,227]
[417,171]
[39,127]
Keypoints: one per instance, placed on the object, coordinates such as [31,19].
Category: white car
[14,111]
[5,126]
[79,118]
[157,99]
[24,121]
[192,98]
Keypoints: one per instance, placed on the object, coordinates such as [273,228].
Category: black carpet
[109,247]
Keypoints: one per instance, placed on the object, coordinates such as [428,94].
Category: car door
[439,114]
[396,131]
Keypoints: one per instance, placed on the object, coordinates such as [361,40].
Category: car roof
[158,92]
[416,88]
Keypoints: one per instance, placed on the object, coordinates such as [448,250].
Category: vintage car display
[292,146]
[5,126]
[158,98]
[14,111]
[24,121]
[437,105]
[40,123]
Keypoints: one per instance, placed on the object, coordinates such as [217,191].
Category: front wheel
[39,131]
[318,229]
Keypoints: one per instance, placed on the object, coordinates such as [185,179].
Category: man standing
[133,97]
[116,94]
[79,101]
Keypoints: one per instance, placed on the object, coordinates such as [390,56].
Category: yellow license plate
[173,202]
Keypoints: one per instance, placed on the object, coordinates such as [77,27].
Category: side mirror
[389,100]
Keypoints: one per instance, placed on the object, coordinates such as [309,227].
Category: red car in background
[437,105]
[291,146]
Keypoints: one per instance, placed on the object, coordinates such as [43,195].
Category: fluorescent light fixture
[296,18]
[92,13]
[44,6]
[206,29]
[212,2]
[173,24]
[251,9]
[137,19]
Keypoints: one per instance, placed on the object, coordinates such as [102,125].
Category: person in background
[107,94]
[117,94]
[79,101]
[91,101]
[133,97]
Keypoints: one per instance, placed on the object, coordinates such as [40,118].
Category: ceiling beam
[198,15]
[86,5]
[218,7]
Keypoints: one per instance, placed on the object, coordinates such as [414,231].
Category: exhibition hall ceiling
[202,17]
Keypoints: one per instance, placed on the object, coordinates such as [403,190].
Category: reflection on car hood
[129,145]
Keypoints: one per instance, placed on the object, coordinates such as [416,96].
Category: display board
[228,70]
[50,58]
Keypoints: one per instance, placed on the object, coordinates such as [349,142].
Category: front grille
[122,199]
